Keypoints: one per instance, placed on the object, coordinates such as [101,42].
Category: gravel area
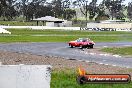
[58,63]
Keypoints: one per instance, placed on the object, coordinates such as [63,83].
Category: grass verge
[120,51]
[52,38]
[28,35]
[69,32]
[67,79]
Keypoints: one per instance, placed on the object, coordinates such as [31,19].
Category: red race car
[82,43]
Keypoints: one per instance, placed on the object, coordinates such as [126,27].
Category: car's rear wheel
[81,46]
[70,45]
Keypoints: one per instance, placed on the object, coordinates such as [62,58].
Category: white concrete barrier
[61,28]
[41,27]
[25,76]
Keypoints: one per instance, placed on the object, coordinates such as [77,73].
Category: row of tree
[107,8]
[66,9]
[29,9]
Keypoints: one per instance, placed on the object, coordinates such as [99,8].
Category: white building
[116,25]
[54,22]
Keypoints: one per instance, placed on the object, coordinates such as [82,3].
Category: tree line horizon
[65,9]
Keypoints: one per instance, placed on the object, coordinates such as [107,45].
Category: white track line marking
[81,60]
[92,53]
[104,60]
[0,63]
[104,54]
[87,61]
[100,63]
[127,67]
[86,53]
[105,46]
[114,65]
[101,54]
[116,55]
[127,45]
[107,54]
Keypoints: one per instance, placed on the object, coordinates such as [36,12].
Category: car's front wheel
[91,46]
[81,80]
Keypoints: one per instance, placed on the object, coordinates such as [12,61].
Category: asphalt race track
[63,50]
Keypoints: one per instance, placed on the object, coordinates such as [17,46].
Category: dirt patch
[58,63]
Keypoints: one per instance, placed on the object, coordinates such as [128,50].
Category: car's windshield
[79,40]
[82,40]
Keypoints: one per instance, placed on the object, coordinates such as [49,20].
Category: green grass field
[120,51]
[28,35]
[67,79]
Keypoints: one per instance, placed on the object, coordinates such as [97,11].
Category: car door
[78,43]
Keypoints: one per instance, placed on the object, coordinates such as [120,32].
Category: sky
[125,2]
[99,1]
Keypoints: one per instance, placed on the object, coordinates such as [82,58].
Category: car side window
[78,40]
[84,41]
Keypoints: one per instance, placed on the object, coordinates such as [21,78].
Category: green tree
[92,9]
[42,11]
[83,5]
[115,7]
[8,10]
[57,8]
[69,14]
[86,8]
[29,8]
[102,14]
[61,8]
[129,11]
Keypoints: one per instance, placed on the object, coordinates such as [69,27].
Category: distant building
[110,24]
[112,21]
[53,22]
